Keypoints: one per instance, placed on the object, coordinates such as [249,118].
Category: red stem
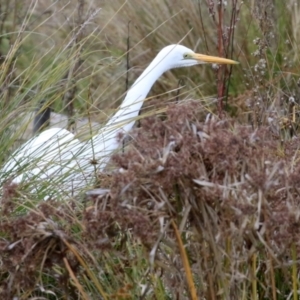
[220,82]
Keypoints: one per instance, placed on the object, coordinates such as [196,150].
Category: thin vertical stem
[220,84]
[294,273]
[254,280]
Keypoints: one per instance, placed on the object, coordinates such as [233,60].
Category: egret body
[55,156]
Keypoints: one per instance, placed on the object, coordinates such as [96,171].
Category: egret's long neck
[136,95]
[106,141]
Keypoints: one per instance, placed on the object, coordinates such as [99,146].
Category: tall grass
[203,206]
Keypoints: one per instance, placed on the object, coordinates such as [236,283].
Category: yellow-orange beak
[213,59]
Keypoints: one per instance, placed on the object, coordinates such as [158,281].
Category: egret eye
[186,55]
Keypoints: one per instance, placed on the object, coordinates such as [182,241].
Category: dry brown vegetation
[199,206]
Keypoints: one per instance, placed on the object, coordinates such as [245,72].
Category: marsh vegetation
[207,205]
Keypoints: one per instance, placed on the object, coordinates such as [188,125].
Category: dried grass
[231,190]
[195,201]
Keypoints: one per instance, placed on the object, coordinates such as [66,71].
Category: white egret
[65,164]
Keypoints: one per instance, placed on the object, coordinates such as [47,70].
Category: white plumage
[56,159]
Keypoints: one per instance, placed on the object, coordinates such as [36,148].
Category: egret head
[176,56]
